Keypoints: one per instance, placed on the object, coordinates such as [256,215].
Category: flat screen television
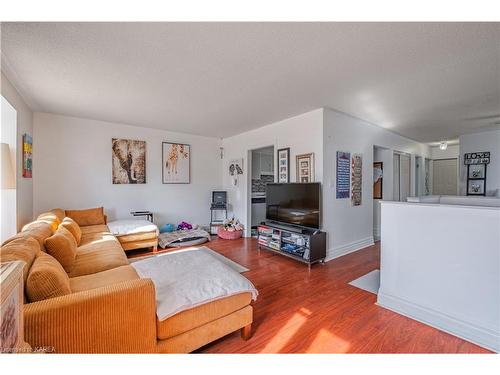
[297,204]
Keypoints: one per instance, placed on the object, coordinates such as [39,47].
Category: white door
[444,177]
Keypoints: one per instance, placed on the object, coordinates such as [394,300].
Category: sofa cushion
[201,315]
[62,246]
[100,255]
[38,230]
[94,229]
[46,279]
[104,278]
[51,219]
[59,213]
[73,228]
[91,216]
[96,237]
[23,249]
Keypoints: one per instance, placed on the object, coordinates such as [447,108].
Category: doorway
[427,179]
[401,176]
[445,176]
[418,176]
[262,173]
[382,169]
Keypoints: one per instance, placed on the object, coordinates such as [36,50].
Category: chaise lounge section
[99,304]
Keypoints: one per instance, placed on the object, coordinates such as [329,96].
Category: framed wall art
[27,156]
[356,179]
[235,169]
[129,161]
[284,165]
[477,163]
[343,181]
[176,163]
[378,175]
[305,167]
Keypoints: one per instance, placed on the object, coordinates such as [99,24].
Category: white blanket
[188,278]
[131,226]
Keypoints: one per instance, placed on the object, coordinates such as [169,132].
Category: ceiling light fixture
[443,145]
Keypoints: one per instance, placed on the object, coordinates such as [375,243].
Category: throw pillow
[91,216]
[46,279]
[73,227]
[62,246]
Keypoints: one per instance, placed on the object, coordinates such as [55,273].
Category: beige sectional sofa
[93,301]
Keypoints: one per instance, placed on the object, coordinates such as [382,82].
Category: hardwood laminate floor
[316,311]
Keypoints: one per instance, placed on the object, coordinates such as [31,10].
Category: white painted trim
[348,248]
[477,335]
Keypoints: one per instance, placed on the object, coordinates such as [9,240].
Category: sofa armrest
[119,318]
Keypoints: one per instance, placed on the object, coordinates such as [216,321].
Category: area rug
[369,282]
[235,266]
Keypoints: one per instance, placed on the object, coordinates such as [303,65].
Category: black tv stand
[305,245]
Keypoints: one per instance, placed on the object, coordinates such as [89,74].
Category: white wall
[441,265]
[350,228]
[73,170]
[24,186]
[303,134]
[485,141]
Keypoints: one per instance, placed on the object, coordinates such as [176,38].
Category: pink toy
[184,226]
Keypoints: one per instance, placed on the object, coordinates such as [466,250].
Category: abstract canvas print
[27,156]
[176,161]
[129,161]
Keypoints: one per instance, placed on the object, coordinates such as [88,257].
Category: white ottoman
[135,234]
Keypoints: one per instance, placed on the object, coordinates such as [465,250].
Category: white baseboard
[348,248]
[480,336]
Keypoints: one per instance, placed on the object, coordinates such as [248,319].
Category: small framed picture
[477,171]
[284,165]
[305,167]
[475,187]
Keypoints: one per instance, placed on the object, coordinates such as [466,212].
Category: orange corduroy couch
[101,305]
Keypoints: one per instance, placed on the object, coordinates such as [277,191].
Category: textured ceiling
[427,81]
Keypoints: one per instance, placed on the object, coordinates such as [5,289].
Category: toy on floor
[167,228]
[184,226]
[231,230]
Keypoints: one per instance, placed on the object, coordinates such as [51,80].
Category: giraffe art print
[176,160]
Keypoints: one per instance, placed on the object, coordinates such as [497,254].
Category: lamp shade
[8,178]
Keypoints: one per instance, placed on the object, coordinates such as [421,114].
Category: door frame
[248,228]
